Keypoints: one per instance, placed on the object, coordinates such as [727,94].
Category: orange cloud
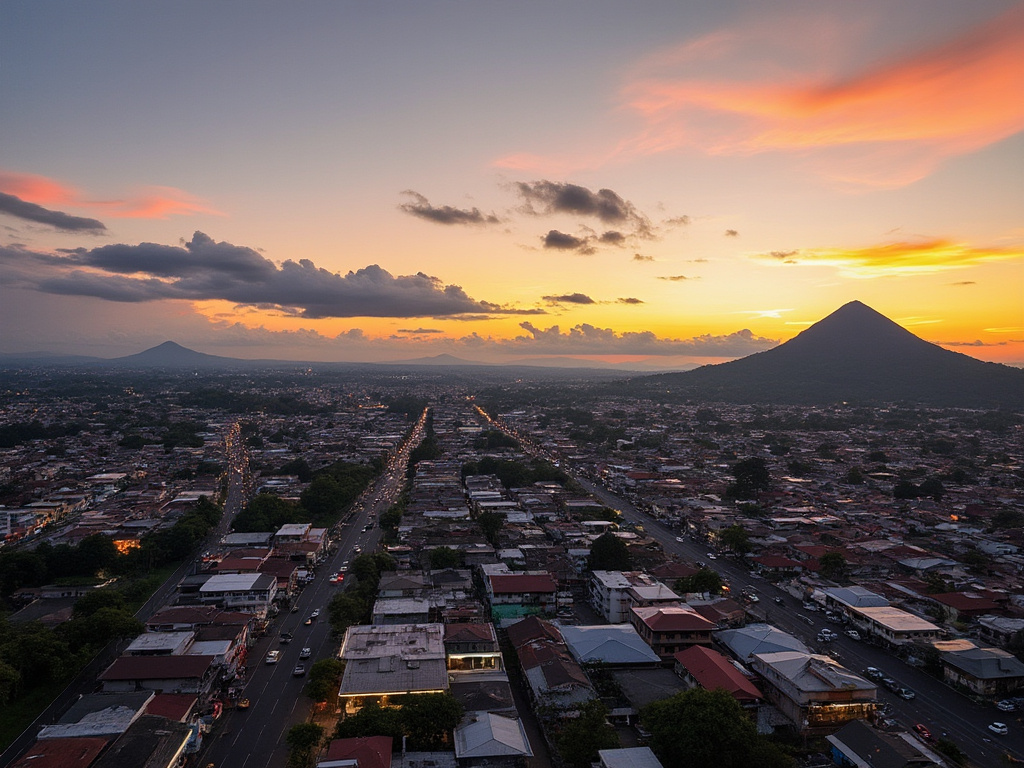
[149,203]
[887,125]
[36,189]
[898,258]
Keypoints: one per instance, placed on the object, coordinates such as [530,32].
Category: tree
[490,524]
[580,738]
[904,489]
[304,743]
[609,553]
[707,729]
[371,720]
[932,487]
[752,477]
[324,676]
[9,681]
[833,565]
[736,538]
[854,476]
[428,719]
[445,557]
[704,580]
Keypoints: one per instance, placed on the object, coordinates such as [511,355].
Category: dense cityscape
[417,567]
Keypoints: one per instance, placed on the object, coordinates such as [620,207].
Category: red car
[923,732]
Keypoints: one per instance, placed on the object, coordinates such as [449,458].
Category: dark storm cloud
[630,300]
[444,214]
[549,197]
[15,206]
[564,242]
[612,238]
[204,270]
[731,233]
[570,298]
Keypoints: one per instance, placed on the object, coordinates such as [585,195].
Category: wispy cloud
[589,339]
[20,209]
[420,207]
[570,298]
[676,278]
[887,124]
[204,270]
[561,241]
[901,258]
[152,202]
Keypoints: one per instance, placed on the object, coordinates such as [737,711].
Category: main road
[256,737]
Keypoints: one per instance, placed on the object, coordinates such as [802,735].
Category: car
[999,728]
[853,634]
[805,619]
[701,564]
[305,653]
[905,693]
[242,704]
[316,613]
[299,671]
[712,556]
[1006,706]
[680,539]
[889,683]
[812,607]
[874,673]
[753,598]
[273,657]
[923,732]
[357,549]
[295,609]
[779,601]
[286,637]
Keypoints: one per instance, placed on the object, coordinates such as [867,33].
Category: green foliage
[833,565]
[514,474]
[427,720]
[428,450]
[951,750]
[580,738]
[303,744]
[23,432]
[93,601]
[324,678]
[10,679]
[609,553]
[854,476]
[752,477]
[266,512]
[1007,518]
[736,538]
[445,557]
[298,467]
[411,405]
[704,580]
[491,524]
[708,729]
[492,439]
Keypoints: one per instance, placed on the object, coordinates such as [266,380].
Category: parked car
[874,673]
[853,634]
[923,731]
[810,606]
[889,683]
[273,657]
[1006,706]
[999,728]
[905,693]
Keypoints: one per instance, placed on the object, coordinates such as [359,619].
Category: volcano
[854,355]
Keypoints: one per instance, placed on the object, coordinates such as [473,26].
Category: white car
[853,634]
[273,657]
[305,653]
[999,728]
[1006,706]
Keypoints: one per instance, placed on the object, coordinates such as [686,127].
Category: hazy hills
[855,355]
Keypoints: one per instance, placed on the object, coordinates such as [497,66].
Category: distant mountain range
[854,355]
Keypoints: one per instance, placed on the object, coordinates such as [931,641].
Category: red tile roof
[173,706]
[61,753]
[671,619]
[712,670]
[367,751]
[157,667]
[521,583]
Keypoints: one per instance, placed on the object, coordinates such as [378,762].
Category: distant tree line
[514,474]
[330,491]
[12,435]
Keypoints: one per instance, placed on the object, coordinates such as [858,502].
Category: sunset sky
[662,183]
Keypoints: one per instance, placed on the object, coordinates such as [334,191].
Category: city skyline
[673,184]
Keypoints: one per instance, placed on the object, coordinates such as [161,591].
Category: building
[893,626]
[669,629]
[386,661]
[515,595]
[705,668]
[984,671]
[814,692]
[613,593]
[858,744]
